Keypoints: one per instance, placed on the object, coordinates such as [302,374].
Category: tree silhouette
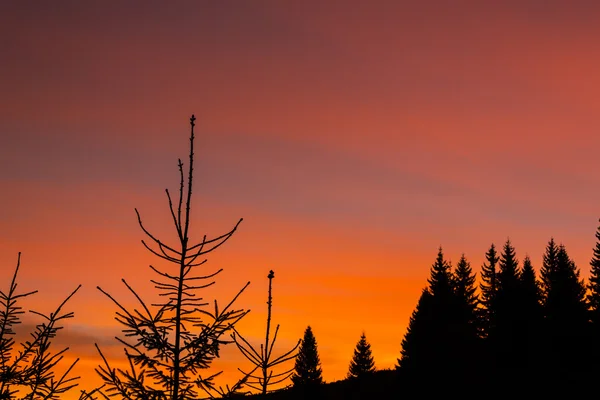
[167,344]
[566,315]
[487,313]
[362,362]
[467,323]
[416,353]
[432,335]
[263,359]
[31,372]
[531,316]
[489,289]
[594,302]
[307,368]
[548,268]
[508,308]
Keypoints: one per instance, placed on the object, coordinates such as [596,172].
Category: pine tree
[507,308]
[362,362]
[307,368]
[594,302]
[489,288]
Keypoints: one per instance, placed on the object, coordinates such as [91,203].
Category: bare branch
[150,235]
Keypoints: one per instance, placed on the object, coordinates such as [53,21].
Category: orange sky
[354,138]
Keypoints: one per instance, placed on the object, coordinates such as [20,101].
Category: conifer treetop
[362,362]
[307,368]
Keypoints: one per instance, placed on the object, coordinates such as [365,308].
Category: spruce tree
[464,282]
[506,331]
[594,302]
[548,268]
[430,341]
[467,323]
[169,344]
[566,315]
[416,354]
[530,315]
[362,362]
[489,288]
[307,368]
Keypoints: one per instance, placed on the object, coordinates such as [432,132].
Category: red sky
[354,138]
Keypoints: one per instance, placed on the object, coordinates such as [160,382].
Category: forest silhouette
[509,329]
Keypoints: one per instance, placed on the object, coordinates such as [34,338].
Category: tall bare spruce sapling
[168,344]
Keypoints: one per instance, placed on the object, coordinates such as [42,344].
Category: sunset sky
[354,138]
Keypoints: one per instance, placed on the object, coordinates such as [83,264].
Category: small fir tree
[263,359]
[307,368]
[30,370]
[362,362]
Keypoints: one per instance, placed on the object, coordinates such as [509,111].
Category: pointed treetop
[528,276]
[193,120]
[488,275]
[362,362]
[307,368]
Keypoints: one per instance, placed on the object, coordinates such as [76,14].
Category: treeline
[516,332]
[517,322]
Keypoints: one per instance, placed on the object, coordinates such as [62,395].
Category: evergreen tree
[307,368]
[507,309]
[467,324]
[594,302]
[430,341]
[440,279]
[548,268]
[169,344]
[489,288]
[464,284]
[416,354]
[566,315]
[487,313]
[362,362]
[530,316]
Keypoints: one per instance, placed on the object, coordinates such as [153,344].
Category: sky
[354,138]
